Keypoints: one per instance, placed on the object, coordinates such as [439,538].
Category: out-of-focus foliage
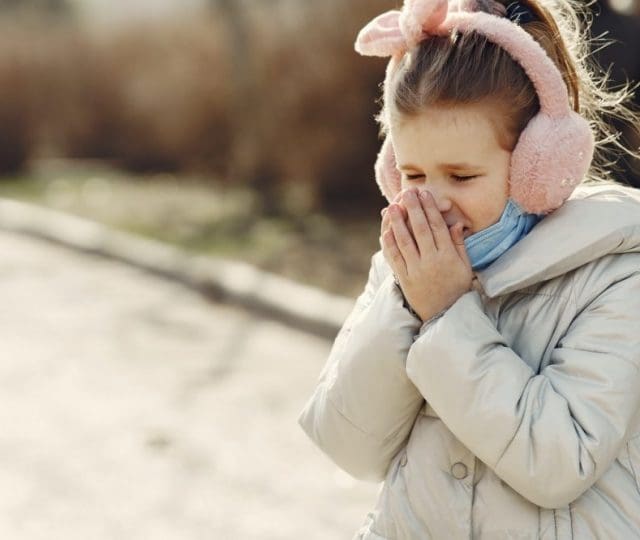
[46,6]
[268,94]
[295,108]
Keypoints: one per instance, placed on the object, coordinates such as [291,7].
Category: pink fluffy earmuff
[553,152]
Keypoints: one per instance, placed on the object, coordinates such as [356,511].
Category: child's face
[437,148]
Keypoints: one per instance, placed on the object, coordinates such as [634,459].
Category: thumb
[458,240]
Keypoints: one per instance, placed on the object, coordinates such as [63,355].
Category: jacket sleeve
[551,435]
[364,404]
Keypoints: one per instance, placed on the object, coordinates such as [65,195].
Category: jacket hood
[597,220]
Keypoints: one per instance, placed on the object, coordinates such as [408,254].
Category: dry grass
[208,217]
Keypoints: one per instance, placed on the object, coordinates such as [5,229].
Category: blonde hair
[468,68]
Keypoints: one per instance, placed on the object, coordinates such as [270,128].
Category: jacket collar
[586,227]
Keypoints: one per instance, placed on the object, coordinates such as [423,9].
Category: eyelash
[458,178]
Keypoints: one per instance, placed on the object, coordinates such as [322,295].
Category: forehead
[448,134]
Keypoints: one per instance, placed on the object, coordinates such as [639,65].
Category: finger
[384,213]
[439,228]
[419,223]
[398,200]
[405,214]
[385,223]
[404,239]
[458,240]
[392,253]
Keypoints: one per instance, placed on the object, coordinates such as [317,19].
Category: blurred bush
[149,97]
[267,94]
[316,99]
[292,116]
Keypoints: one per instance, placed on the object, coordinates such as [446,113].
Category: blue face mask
[487,245]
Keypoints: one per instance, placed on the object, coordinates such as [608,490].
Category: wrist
[423,316]
[405,302]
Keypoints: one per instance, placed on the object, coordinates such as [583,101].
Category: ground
[132,408]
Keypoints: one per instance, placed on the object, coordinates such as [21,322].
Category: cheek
[487,205]
[497,193]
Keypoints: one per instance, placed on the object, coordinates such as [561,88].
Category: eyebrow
[452,166]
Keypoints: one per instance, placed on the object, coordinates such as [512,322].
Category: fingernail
[383,211]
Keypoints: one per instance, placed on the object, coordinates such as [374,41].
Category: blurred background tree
[619,20]
[242,128]
[266,94]
[247,110]
[45,6]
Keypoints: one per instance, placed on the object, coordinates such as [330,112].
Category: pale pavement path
[132,408]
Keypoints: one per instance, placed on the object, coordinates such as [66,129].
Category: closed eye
[454,176]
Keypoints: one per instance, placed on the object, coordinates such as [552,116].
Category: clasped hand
[429,260]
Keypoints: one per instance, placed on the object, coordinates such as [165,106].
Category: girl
[489,373]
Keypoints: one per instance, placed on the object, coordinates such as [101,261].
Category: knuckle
[414,208]
[409,200]
[422,227]
[405,240]
[436,220]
